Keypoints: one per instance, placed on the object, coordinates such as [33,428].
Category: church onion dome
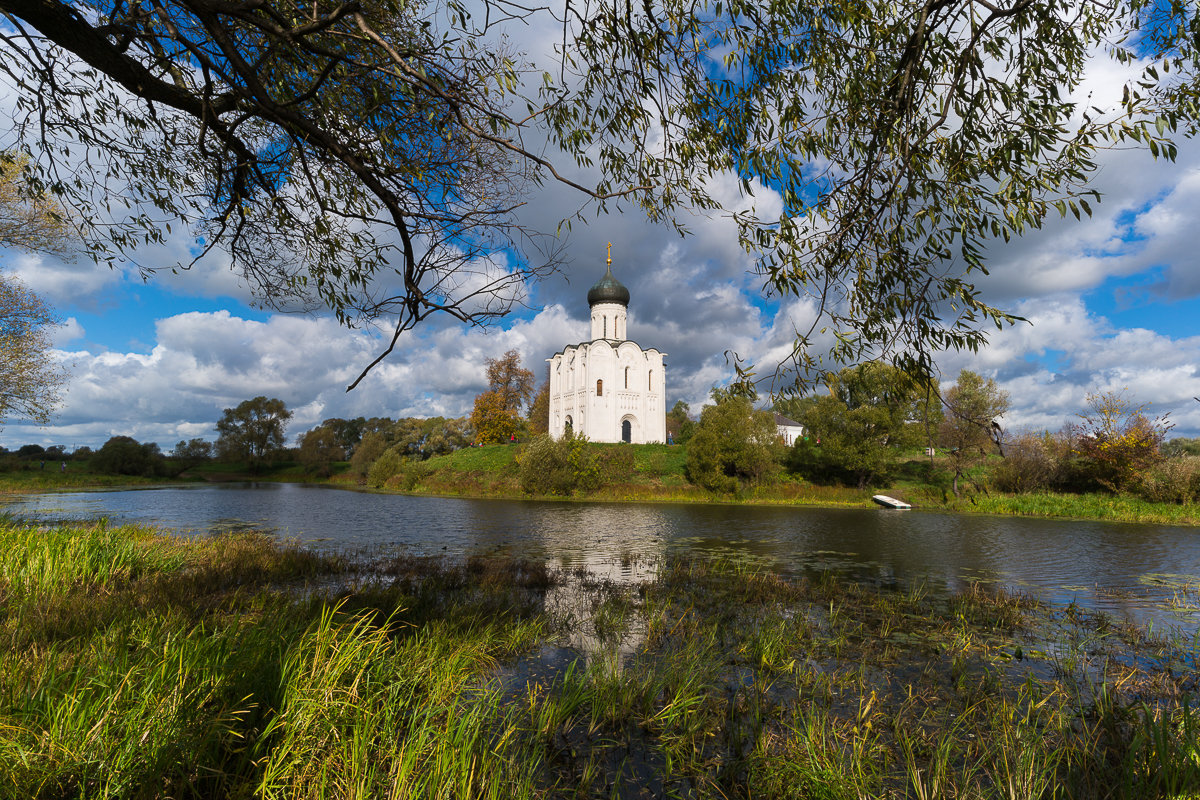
[608,290]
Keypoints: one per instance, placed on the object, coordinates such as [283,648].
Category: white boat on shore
[889,502]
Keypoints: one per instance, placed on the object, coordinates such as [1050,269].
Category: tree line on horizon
[855,432]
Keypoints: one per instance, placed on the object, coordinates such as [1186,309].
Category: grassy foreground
[136,665]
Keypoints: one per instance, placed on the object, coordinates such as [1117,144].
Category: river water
[1140,572]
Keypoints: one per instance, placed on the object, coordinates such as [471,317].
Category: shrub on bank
[1042,463]
[384,468]
[545,467]
[1028,466]
[734,445]
[1175,480]
[570,464]
[411,473]
[368,451]
[808,460]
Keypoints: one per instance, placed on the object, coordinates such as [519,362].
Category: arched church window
[627,377]
[605,321]
[600,388]
[650,380]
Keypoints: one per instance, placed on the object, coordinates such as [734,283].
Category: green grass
[77,476]
[659,477]
[1116,508]
[490,458]
[136,665]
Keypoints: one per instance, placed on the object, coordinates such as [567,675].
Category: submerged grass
[139,665]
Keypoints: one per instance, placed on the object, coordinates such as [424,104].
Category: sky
[1112,303]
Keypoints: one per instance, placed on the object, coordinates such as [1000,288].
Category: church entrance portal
[626,432]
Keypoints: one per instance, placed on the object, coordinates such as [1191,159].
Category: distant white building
[789,430]
[609,389]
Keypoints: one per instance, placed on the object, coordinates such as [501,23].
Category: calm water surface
[1131,570]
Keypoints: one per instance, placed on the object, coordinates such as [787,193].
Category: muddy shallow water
[1141,572]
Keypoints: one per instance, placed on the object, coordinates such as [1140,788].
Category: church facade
[609,389]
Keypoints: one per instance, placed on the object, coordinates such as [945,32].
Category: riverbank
[233,666]
[657,476]
[75,478]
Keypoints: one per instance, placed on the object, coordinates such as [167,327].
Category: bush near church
[571,463]
[733,446]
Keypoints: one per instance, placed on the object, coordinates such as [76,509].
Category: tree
[446,436]
[970,430]
[512,382]
[421,438]
[356,155]
[346,432]
[903,139]
[373,445]
[31,378]
[493,422]
[795,407]
[29,451]
[323,146]
[1181,446]
[733,445]
[496,417]
[319,448]
[192,452]
[124,455]
[253,431]
[680,424]
[30,219]
[539,410]
[1118,440]
[865,416]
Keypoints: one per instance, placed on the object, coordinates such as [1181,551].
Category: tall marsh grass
[1115,508]
[137,665]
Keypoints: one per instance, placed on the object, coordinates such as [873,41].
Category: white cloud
[1087,355]
[69,331]
[202,363]
[80,283]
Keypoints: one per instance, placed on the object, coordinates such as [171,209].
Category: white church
[609,389]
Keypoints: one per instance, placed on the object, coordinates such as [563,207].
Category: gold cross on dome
[610,253]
